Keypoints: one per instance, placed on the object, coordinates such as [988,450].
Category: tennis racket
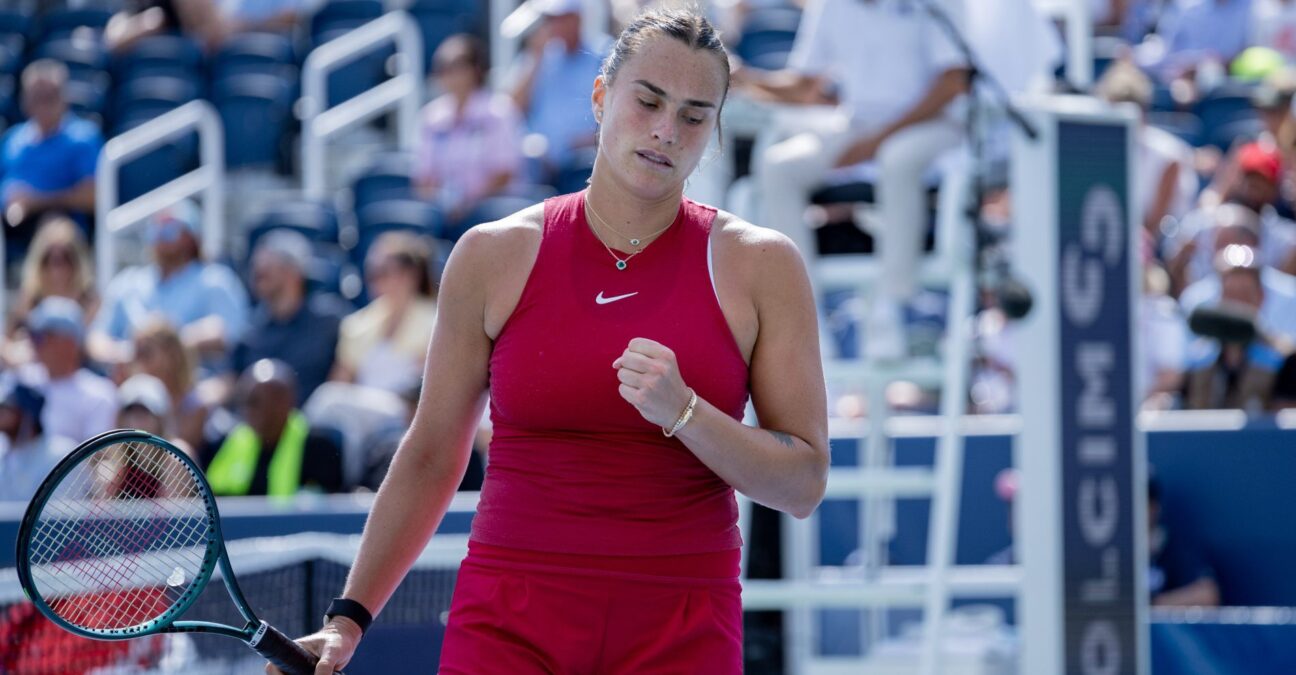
[121,539]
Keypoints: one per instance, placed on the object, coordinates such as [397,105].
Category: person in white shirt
[78,403]
[27,453]
[896,72]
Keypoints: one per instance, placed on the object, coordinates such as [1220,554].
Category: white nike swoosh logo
[603,301]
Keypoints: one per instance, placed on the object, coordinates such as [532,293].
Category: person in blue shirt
[552,83]
[206,302]
[47,163]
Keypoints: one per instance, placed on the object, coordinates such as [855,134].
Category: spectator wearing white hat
[287,324]
[79,404]
[205,301]
[144,404]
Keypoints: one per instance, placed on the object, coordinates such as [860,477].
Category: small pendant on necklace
[634,242]
[621,264]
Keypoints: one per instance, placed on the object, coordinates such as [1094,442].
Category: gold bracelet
[684,416]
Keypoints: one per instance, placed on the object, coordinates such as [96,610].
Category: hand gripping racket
[122,537]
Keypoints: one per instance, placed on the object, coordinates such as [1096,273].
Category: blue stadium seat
[8,99]
[387,177]
[1244,127]
[173,55]
[332,272]
[257,111]
[87,96]
[61,23]
[317,221]
[252,52]
[11,55]
[14,22]
[79,54]
[768,32]
[157,167]
[492,209]
[151,96]
[377,218]
[574,176]
[357,76]
[344,15]
[1185,125]
[437,23]
[1222,106]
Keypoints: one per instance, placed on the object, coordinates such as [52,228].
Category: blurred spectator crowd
[293,361]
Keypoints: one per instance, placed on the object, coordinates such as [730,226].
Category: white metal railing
[114,219]
[402,92]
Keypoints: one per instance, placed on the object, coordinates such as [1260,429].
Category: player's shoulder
[752,244]
[496,246]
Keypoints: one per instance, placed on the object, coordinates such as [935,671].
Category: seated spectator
[551,86]
[894,111]
[27,452]
[1178,575]
[47,163]
[383,345]
[1249,198]
[199,19]
[1233,374]
[58,265]
[205,301]
[470,145]
[287,324]
[79,404]
[273,451]
[143,403]
[1198,40]
[1165,162]
[160,353]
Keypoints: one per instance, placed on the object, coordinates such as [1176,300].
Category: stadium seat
[318,222]
[253,48]
[492,209]
[157,167]
[257,111]
[1223,106]
[87,96]
[767,36]
[342,15]
[357,76]
[388,177]
[14,22]
[373,220]
[437,22]
[172,55]
[8,99]
[1245,126]
[1185,125]
[151,96]
[78,54]
[62,23]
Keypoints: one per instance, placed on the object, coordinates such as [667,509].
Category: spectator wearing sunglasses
[57,265]
[204,301]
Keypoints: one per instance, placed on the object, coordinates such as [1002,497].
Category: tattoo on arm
[785,439]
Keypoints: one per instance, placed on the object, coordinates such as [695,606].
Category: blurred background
[226,219]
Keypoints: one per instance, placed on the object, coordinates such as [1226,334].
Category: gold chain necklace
[621,263]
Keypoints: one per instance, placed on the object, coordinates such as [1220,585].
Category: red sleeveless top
[573,467]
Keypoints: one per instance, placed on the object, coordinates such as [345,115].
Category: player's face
[658,115]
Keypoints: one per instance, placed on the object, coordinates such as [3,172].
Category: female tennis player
[619,332]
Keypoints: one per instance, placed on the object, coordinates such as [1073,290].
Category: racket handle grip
[285,654]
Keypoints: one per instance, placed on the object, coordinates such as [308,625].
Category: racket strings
[123,538]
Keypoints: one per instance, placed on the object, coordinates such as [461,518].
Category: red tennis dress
[600,546]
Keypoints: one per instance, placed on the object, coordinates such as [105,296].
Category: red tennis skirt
[522,612]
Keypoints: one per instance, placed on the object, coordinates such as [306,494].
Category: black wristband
[351,610]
